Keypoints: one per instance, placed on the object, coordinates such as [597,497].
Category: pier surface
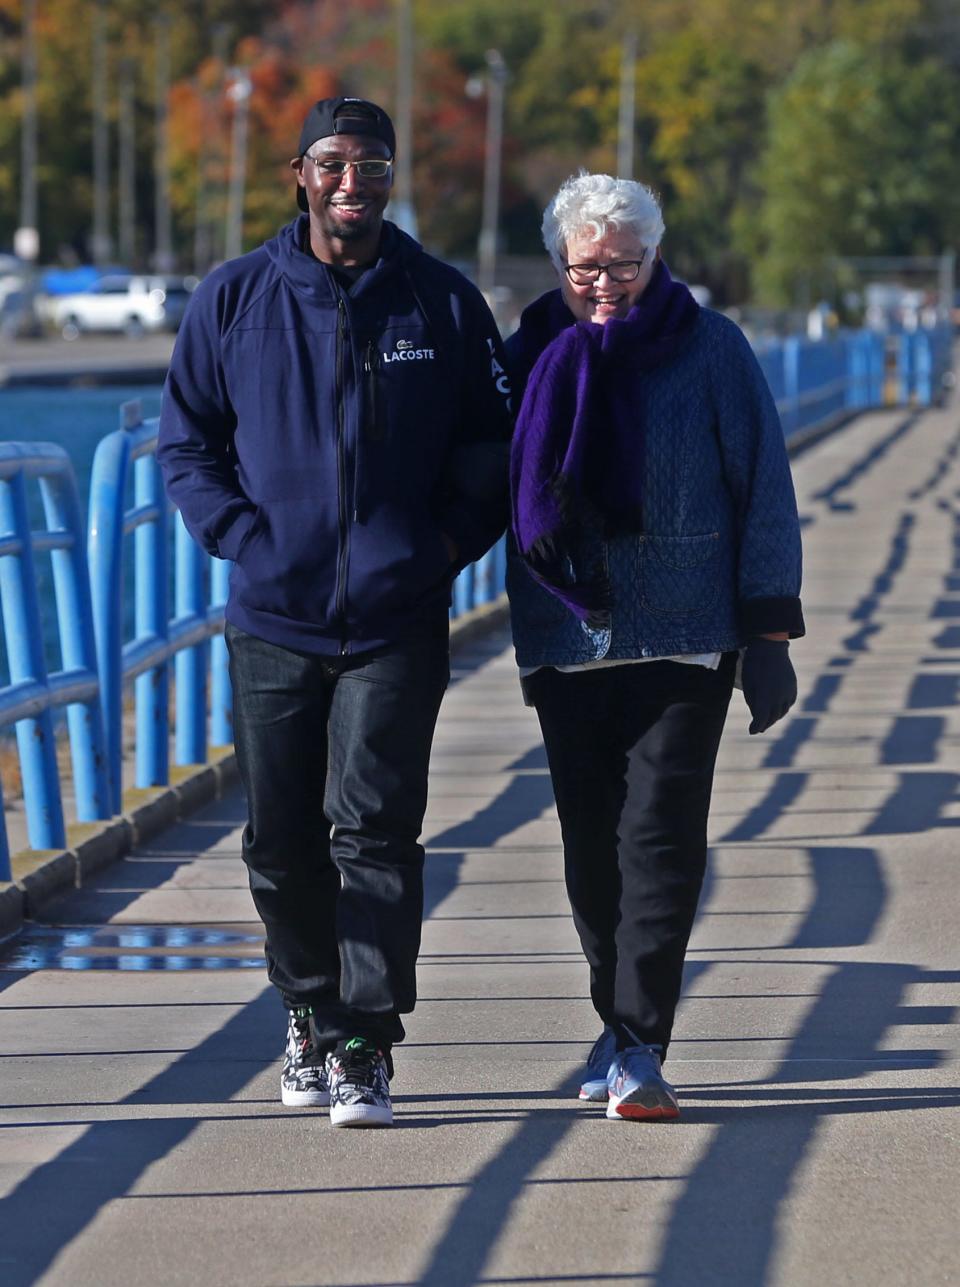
[816,1048]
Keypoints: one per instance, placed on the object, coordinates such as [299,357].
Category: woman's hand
[769,680]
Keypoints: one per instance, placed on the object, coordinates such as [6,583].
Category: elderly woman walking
[656,539]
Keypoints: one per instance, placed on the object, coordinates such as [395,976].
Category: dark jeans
[632,751]
[333,753]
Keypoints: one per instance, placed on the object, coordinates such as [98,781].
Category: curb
[42,874]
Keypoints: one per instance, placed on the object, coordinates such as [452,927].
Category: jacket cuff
[772,616]
[473,533]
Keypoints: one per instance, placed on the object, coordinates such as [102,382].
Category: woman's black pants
[632,751]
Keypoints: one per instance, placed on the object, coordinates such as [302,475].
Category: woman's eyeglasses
[621,270]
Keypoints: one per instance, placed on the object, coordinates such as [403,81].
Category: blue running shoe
[636,1089]
[594,1085]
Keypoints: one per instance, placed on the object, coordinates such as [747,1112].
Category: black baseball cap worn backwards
[342,115]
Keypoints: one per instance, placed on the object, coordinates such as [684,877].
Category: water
[76,419]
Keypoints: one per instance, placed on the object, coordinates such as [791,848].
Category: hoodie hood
[309,276]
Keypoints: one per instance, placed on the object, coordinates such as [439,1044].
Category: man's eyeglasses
[330,169]
[621,270]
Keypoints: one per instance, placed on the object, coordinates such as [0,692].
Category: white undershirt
[709,659]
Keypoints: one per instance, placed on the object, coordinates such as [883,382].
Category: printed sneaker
[594,1084]
[358,1078]
[636,1087]
[303,1081]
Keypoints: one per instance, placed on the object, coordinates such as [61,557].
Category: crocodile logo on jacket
[405,352]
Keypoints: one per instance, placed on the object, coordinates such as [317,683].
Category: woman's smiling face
[604,298]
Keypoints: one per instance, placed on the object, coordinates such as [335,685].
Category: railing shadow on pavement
[873,993]
[111,1156]
[222,1065]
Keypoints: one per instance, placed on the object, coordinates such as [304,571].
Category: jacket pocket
[679,574]
[371,375]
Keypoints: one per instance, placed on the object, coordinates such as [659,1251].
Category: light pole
[26,241]
[210,154]
[626,129]
[101,140]
[496,79]
[401,200]
[163,233]
[127,161]
[239,95]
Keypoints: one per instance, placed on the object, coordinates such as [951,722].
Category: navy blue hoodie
[321,439]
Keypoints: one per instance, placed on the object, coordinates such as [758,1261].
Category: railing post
[24,639]
[923,368]
[105,560]
[5,872]
[858,372]
[71,583]
[190,663]
[463,591]
[877,358]
[791,386]
[500,566]
[904,368]
[151,619]
[221,696]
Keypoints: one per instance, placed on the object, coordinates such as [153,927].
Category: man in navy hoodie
[333,422]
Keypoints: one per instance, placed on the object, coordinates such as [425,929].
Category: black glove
[769,681]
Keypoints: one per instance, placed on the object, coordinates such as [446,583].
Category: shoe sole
[361,1115]
[304,1098]
[644,1106]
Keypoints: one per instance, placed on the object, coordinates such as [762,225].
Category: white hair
[593,204]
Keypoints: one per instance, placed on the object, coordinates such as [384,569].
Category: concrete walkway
[90,359]
[141,1137]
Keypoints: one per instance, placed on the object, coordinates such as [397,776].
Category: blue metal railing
[130,451]
[31,696]
[813,383]
[923,358]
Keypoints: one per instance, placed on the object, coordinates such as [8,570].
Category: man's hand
[769,680]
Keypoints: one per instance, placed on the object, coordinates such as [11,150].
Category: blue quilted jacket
[718,559]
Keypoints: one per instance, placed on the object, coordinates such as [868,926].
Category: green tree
[861,159]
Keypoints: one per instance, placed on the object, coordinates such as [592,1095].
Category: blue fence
[814,383]
[199,597]
[33,693]
[817,382]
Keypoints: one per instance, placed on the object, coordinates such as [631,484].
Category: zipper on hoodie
[370,367]
[341,484]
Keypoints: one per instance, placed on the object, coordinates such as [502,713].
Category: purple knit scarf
[578,440]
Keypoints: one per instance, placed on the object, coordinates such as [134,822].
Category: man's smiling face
[345,208]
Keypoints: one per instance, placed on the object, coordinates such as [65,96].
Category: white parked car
[132,305]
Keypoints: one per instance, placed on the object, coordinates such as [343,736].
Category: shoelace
[360,1062]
